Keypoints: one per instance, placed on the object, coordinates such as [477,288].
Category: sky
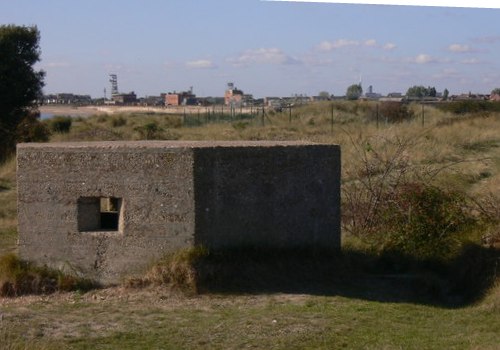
[267,48]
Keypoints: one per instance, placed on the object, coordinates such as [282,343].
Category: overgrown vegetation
[19,277]
[178,270]
[464,107]
[60,124]
[421,238]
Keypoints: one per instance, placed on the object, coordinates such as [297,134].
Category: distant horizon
[267,48]
[221,95]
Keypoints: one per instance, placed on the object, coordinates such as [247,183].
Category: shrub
[18,277]
[149,131]
[422,221]
[118,121]
[390,204]
[60,124]
[176,270]
[30,129]
[395,112]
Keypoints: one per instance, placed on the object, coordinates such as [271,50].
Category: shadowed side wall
[273,197]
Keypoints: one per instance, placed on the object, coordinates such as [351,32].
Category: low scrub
[395,112]
[177,270]
[474,107]
[422,221]
[18,277]
[60,124]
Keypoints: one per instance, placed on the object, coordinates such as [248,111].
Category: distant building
[495,97]
[320,98]
[394,95]
[153,100]
[233,97]
[184,98]
[67,98]
[125,99]
[274,102]
[210,101]
[372,95]
[470,97]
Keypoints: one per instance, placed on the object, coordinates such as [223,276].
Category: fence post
[331,125]
[423,115]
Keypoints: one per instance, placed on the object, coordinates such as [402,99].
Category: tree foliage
[354,92]
[21,85]
[420,91]
[446,94]
[495,91]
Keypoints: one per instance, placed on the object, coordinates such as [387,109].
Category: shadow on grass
[385,278]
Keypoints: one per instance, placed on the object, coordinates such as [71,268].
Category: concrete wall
[172,195]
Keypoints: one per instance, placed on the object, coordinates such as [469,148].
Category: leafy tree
[432,91]
[421,91]
[325,94]
[20,85]
[354,92]
[446,93]
[495,91]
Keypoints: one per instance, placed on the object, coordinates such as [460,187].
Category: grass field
[364,300]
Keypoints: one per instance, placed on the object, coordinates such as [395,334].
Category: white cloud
[424,59]
[326,46]
[389,46]
[458,48]
[263,56]
[200,64]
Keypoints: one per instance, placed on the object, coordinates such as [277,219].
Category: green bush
[60,124]
[422,221]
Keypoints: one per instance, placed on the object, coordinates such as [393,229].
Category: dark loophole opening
[99,214]
[110,213]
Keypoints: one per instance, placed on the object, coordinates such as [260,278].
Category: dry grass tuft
[177,270]
[19,277]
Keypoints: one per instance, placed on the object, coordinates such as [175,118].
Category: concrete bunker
[106,210]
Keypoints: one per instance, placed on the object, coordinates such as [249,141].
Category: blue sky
[265,48]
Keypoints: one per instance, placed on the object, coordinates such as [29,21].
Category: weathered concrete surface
[173,194]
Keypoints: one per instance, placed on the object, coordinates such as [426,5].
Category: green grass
[274,321]
[360,300]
